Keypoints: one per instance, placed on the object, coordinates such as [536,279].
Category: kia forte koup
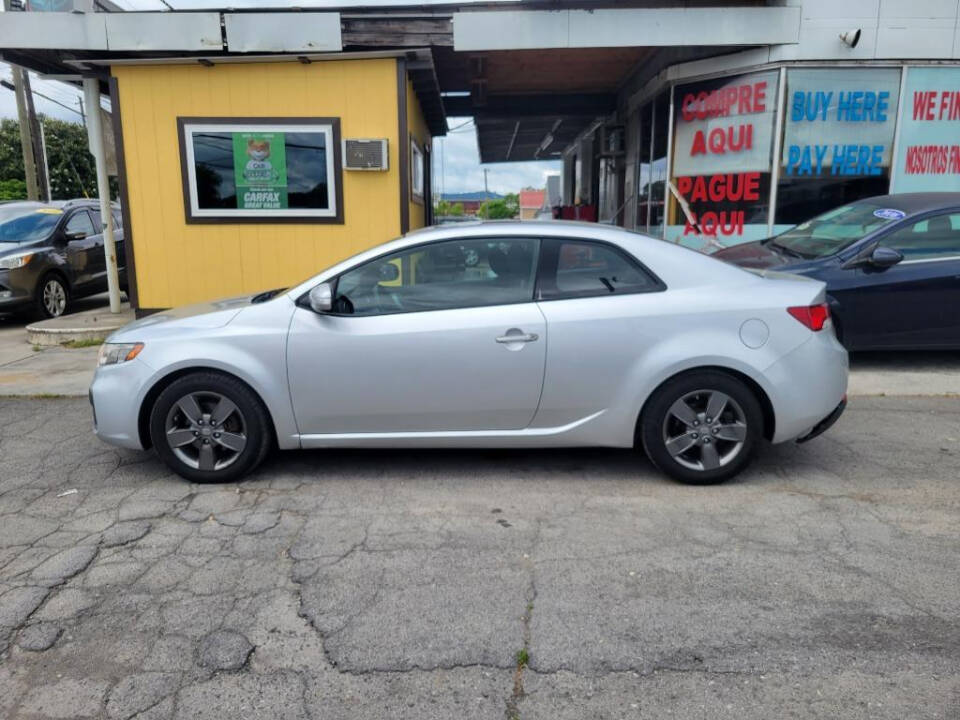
[519,335]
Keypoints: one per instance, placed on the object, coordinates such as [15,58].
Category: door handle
[520,338]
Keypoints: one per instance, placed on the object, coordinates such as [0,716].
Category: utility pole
[83,117]
[43,183]
[26,140]
[29,142]
[486,190]
[91,90]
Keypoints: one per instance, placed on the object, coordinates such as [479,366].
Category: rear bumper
[807,385]
[825,424]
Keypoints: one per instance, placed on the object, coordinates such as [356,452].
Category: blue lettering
[837,165]
[876,162]
[796,110]
[793,158]
[883,104]
[821,154]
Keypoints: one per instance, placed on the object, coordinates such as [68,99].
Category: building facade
[257,147]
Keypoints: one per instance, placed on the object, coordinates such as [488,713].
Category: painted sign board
[723,139]
[928,154]
[839,122]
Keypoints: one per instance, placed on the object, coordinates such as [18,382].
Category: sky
[456,164]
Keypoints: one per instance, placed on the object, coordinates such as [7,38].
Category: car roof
[674,264]
[912,203]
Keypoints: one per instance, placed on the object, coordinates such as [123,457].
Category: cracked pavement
[825,582]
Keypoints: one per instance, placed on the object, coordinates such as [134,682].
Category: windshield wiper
[788,251]
[268,295]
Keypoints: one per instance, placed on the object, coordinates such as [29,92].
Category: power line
[9,86]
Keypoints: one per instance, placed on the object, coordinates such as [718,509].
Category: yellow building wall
[179,263]
[417,127]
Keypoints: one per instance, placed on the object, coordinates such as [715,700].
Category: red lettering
[760,97]
[718,141]
[684,184]
[687,107]
[699,144]
[744,104]
[751,190]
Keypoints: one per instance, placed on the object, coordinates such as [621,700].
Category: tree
[13,189]
[502,209]
[73,173]
[446,208]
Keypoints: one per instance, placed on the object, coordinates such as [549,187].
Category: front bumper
[825,424]
[116,395]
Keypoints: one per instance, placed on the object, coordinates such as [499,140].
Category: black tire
[55,283]
[249,421]
[659,424]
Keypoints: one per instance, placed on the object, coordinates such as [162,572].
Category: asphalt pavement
[823,583]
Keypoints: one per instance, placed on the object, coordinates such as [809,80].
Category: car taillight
[813,316]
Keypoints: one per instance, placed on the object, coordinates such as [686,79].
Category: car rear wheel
[209,427]
[702,427]
[53,296]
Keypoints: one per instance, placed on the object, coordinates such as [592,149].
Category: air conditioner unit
[365,154]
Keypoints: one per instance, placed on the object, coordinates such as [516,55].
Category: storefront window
[236,170]
[658,162]
[645,117]
[928,154]
[723,144]
[838,136]
[416,171]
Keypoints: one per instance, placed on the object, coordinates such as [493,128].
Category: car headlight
[15,261]
[115,353]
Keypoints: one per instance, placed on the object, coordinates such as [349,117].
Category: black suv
[51,253]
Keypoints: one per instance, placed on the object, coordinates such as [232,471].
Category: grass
[523,657]
[38,348]
[74,344]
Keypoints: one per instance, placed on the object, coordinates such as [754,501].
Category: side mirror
[389,272]
[77,235]
[321,298]
[885,257]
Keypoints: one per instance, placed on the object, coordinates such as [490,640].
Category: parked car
[891,265]
[52,253]
[565,334]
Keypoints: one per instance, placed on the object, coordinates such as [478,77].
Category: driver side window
[441,276]
[935,237]
[79,222]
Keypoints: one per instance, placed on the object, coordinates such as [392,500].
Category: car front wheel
[209,427]
[53,297]
[702,427]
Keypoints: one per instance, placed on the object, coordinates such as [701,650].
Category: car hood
[8,247]
[756,254]
[208,315]
[760,255]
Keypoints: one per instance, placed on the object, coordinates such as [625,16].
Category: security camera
[851,37]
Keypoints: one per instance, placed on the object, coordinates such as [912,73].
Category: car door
[443,336]
[603,308]
[914,303]
[98,260]
[79,236]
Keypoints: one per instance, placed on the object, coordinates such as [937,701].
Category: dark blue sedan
[891,265]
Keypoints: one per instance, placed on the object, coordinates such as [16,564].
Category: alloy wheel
[54,297]
[206,431]
[704,430]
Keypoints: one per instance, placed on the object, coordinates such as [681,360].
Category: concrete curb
[80,327]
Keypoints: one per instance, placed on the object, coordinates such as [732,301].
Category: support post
[26,136]
[91,91]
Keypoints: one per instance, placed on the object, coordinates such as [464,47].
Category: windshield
[833,231]
[20,225]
